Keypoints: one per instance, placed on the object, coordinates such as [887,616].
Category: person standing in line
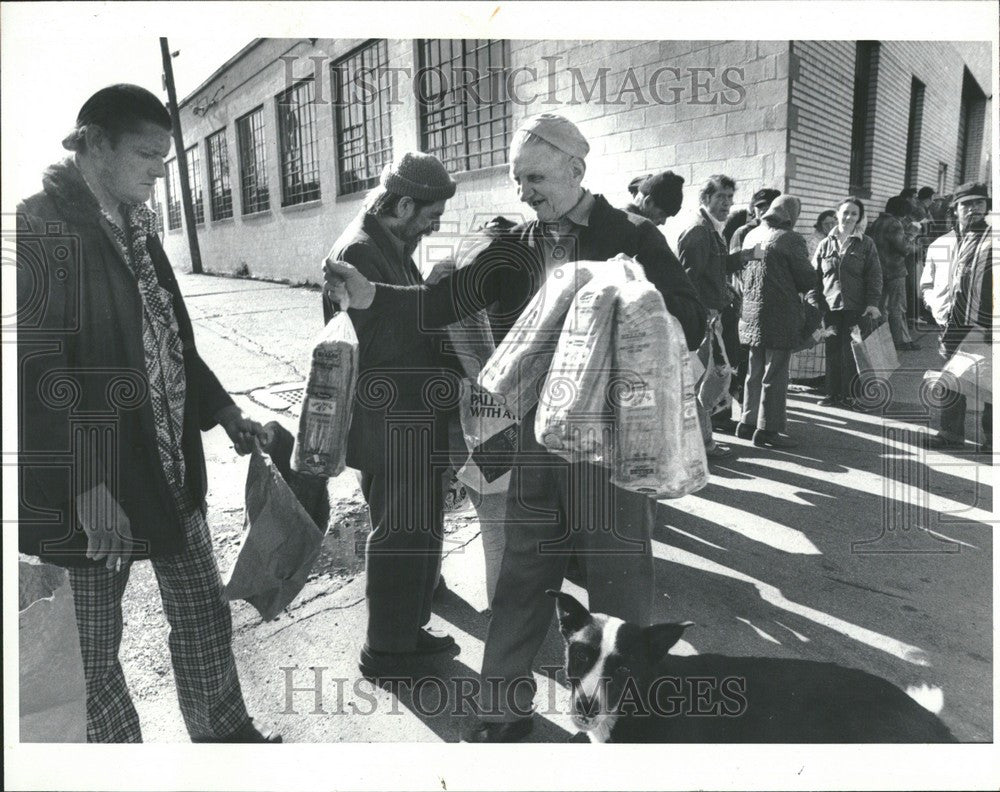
[401,478]
[957,286]
[703,254]
[658,197]
[771,320]
[825,223]
[849,287]
[894,251]
[108,328]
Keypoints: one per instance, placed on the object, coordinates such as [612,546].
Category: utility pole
[192,234]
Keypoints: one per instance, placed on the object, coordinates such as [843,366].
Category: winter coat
[851,281]
[82,379]
[892,244]
[773,314]
[707,262]
[394,357]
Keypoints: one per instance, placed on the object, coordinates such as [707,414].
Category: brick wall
[691,129]
[820,132]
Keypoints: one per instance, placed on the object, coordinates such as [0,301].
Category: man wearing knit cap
[399,481]
[554,508]
[658,197]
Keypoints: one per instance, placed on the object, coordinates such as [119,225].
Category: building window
[364,134]
[863,129]
[194,173]
[220,194]
[942,180]
[972,114]
[465,115]
[173,185]
[156,204]
[913,132]
[297,145]
[253,162]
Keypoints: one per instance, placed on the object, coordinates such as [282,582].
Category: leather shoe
[745,431]
[480,731]
[716,451]
[831,401]
[941,442]
[724,425]
[432,641]
[765,439]
[249,732]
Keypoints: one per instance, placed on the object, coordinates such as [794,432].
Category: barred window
[194,174]
[220,194]
[465,114]
[173,185]
[364,133]
[297,145]
[253,162]
[156,204]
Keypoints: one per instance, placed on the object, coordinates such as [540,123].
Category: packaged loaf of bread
[321,443]
[653,398]
[517,370]
[574,419]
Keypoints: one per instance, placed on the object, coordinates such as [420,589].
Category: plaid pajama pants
[200,641]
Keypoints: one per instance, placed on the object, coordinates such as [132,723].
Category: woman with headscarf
[849,286]
[771,320]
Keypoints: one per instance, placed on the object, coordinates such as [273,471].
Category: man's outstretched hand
[241,430]
[346,286]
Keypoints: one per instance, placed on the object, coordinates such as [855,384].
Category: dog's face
[608,663]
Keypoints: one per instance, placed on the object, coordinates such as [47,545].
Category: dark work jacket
[402,375]
[84,412]
[511,269]
[708,263]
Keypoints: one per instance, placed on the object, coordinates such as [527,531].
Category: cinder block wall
[822,88]
[705,128]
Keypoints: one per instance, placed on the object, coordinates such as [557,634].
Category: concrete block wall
[687,126]
[820,127]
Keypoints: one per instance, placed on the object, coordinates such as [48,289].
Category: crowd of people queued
[745,283]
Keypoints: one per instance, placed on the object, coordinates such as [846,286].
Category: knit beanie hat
[419,176]
[666,190]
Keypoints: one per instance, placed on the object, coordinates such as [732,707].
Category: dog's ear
[572,615]
[661,637]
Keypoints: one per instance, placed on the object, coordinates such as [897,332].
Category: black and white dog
[626,688]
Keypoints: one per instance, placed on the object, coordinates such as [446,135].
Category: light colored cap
[557,131]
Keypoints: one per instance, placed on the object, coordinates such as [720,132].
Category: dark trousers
[555,508]
[406,504]
[841,371]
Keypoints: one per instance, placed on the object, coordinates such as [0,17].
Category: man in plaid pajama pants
[113,400]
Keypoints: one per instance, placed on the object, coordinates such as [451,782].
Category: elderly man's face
[971,212]
[719,203]
[547,180]
[127,171]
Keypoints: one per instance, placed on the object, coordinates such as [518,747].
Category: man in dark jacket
[553,506]
[388,441]
[657,197]
[894,249]
[706,260]
[113,398]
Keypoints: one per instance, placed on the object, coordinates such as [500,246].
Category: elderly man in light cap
[553,507]
[400,481]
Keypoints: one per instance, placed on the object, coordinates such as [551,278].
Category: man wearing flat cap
[553,507]
[392,441]
[957,286]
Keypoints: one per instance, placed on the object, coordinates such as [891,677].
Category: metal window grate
[173,185]
[465,116]
[364,132]
[253,162]
[220,193]
[194,173]
[297,145]
[156,204]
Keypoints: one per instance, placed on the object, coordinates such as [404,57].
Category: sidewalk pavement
[783,554]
